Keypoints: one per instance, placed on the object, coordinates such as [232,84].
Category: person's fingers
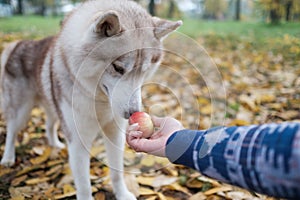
[157,121]
[154,147]
[133,127]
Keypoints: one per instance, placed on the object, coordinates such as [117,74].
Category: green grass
[32,25]
[254,30]
[43,26]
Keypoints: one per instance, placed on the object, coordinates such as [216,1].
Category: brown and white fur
[89,78]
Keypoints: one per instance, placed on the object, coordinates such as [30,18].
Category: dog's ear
[107,24]
[162,27]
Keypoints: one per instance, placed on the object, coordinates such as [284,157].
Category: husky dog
[89,78]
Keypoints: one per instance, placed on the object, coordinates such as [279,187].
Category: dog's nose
[127,114]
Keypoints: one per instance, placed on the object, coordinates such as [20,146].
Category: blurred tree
[151,7]
[5,1]
[43,5]
[215,9]
[288,10]
[237,10]
[20,7]
[280,9]
[171,9]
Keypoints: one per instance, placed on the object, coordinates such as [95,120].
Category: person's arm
[265,158]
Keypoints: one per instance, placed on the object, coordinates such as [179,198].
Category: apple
[145,123]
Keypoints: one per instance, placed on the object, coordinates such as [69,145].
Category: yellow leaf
[34,181]
[54,162]
[19,192]
[249,103]
[148,161]
[99,196]
[161,196]
[62,196]
[170,171]
[145,180]
[40,159]
[29,169]
[206,110]
[4,171]
[18,198]
[203,101]
[36,112]
[146,191]
[151,198]
[176,186]
[162,161]
[67,169]
[194,183]
[18,180]
[198,196]
[265,98]
[54,169]
[275,106]
[96,150]
[238,122]
[218,189]
[67,188]
[50,191]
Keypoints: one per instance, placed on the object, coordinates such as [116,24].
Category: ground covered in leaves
[209,81]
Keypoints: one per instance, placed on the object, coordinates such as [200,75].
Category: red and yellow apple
[144,121]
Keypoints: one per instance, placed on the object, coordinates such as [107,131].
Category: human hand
[156,143]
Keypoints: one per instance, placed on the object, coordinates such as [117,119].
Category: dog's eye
[118,69]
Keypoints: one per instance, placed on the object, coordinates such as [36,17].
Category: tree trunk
[288,8]
[151,7]
[238,10]
[274,15]
[171,9]
[20,7]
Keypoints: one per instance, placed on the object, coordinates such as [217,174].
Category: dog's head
[123,44]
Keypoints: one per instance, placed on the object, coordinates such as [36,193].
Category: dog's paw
[58,144]
[126,196]
[7,162]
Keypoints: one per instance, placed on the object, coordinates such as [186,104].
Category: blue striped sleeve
[262,158]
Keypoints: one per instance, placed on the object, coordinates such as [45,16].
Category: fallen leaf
[67,188]
[148,161]
[39,150]
[148,181]
[19,180]
[162,180]
[194,183]
[55,169]
[146,191]
[218,189]
[198,196]
[4,171]
[238,122]
[40,159]
[65,195]
[99,196]
[34,181]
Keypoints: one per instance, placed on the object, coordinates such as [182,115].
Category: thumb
[157,121]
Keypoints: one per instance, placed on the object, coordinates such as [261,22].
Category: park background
[253,44]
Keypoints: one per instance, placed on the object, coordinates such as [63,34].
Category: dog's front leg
[79,159]
[114,143]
